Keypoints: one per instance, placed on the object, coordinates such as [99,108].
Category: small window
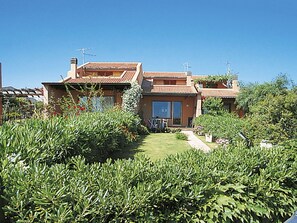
[211,85]
[227,107]
[169,82]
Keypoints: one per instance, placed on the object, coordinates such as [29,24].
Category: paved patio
[195,142]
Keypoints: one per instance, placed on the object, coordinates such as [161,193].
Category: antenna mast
[186,66]
[83,52]
[228,67]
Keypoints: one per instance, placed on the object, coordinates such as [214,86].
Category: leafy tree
[213,106]
[252,93]
[274,118]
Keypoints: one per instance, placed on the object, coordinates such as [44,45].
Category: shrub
[225,126]
[274,118]
[53,140]
[213,106]
[231,185]
[181,136]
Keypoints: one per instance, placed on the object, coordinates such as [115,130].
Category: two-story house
[174,96]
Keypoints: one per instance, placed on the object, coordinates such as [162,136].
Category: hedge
[53,140]
[231,185]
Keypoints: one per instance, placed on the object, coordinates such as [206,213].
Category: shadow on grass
[129,151]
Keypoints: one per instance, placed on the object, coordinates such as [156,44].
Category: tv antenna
[186,66]
[228,67]
[83,52]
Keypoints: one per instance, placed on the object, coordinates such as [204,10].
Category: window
[169,82]
[97,103]
[161,109]
[177,112]
[227,107]
[211,85]
[168,110]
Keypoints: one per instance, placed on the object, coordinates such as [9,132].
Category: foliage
[131,98]
[71,107]
[216,78]
[226,126]
[213,106]
[274,118]
[231,185]
[181,136]
[252,93]
[93,135]
[19,107]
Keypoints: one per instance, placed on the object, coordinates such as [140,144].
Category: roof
[197,77]
[150,89]
[165,75]
[126,77]
[218,92]
[109,66]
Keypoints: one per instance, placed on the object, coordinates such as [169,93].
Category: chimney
[189,78]
[73,68]
[235,84]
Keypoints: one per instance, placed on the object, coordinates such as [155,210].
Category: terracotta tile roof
[197,77]
[125,78]
[222,93]
[109,66]
[164,75]
[167,89]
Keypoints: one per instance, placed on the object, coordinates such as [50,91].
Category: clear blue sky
[257,37]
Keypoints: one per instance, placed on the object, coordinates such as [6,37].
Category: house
[111,78]
[174,96]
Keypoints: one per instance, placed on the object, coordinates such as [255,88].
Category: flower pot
[208,138]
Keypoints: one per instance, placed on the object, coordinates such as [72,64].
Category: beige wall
[188,107]
[181,82]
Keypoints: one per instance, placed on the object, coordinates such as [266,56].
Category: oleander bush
[226,125]
[230,185]
[53,140]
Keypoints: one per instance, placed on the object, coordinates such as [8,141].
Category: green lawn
[155,146]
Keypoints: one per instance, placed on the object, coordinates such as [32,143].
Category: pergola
[21,92]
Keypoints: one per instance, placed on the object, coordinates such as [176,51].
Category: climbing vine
[131,98]
[216,78]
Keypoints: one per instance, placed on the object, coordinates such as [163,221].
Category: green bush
[53,140]
[181,136]
[231,185]
[213,106]
[274,118]
[225,126]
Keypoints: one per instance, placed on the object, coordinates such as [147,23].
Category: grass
[155,146]
[211,145]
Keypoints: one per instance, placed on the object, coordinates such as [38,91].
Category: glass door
[177,112]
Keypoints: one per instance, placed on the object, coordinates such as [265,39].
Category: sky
[258,38]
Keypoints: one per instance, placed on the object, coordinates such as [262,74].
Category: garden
[65,168]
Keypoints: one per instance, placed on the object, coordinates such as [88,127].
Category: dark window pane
[161,109]
[177,112]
